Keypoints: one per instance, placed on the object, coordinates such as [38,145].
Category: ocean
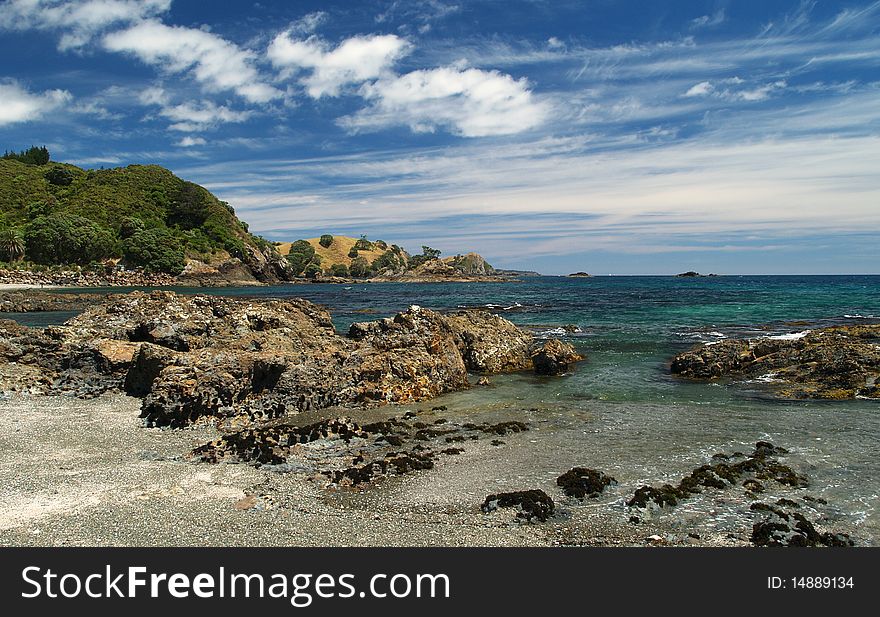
[622,412]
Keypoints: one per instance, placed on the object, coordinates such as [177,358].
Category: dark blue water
[622,412]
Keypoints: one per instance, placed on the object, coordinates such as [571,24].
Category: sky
[607,136]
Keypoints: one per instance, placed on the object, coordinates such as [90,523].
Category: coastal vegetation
[140,216]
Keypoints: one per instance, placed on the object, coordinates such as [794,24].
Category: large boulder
[489,343]
[553,357]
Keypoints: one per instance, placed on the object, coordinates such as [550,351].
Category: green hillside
[142,214]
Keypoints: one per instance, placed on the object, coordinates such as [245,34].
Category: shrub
[353,253]
[155,250]
[339,270]
[389,260]
[326,240]
[59,176]
[131,225]
[67,239]
[312,270]
[359,267]
[363,244]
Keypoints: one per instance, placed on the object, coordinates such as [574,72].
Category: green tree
[312,270]
[326,240]
[31,156]
[12,244]
[359,267]
[427,255]
[155,250]
[353,253]
[339,270]
[301,255]
[67,239]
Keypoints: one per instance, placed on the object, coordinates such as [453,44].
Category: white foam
[793,336]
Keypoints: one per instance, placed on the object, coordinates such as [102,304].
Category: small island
[581,275]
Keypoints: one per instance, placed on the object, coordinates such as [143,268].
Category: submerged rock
[760,465]
[531,504]
[841,362]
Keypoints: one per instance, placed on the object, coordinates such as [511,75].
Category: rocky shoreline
[237,360]
[84,278]
[840,362]
[269,388]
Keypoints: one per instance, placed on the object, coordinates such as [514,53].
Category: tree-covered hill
[143,215]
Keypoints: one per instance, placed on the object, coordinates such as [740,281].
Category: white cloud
[468,102]
[354,61]
[79,20]
[189,142]
[216,63]
[757,93]
[701,89]
[190,118]
[709,21]
[19,105]
[153,95]
[760,93]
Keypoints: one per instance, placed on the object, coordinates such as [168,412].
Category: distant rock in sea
[580,275]
[692,274]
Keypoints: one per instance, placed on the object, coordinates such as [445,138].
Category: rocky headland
[840,362]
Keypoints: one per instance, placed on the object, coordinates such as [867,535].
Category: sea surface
[621,411]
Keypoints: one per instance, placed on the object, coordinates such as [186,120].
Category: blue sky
[607,136]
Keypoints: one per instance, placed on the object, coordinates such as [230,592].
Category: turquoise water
[621,411]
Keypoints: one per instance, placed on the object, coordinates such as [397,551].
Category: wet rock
[779,527]
[841,362]
[760,465]
[753,485]
[554,357]
[394,463]
[582,482]
[532,504]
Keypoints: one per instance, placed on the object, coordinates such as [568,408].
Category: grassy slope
[336,253]
[149,192]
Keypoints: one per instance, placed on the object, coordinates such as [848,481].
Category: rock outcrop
[831,363]
[554,357]
[194,357]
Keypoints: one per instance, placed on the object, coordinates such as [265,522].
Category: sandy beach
[79,472]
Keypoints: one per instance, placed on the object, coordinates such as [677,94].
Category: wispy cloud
[709,21]
[78,21]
